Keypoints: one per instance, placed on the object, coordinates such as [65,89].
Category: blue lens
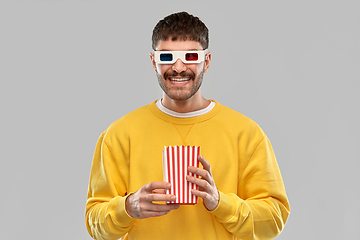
[166,57]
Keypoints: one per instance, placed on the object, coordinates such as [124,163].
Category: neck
[195,103]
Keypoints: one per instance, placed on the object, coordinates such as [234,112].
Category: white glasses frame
[179,54]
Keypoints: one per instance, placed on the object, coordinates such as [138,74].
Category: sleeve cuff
[118,211]
[226,209]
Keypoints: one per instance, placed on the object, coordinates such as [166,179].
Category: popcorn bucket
[176,160]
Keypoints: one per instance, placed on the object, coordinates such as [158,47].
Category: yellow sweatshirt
[253,202]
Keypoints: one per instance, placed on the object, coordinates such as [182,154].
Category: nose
[179,66]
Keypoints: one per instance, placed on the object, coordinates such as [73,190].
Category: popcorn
[176,160]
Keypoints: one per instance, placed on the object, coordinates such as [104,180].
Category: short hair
[181,26]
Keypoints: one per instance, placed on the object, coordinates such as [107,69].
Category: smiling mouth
[179,80]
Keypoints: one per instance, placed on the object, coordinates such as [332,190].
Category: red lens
[191,56]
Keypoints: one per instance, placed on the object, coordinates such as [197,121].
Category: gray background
[70,68]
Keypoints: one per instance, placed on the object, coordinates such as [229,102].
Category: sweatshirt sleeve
[106,217]
[261,208]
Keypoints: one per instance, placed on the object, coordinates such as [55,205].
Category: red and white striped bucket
[176,160]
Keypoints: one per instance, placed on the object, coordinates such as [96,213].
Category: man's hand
[140,204]
[207,188]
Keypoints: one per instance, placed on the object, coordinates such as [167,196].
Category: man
[241,196]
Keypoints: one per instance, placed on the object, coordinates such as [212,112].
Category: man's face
[180,81]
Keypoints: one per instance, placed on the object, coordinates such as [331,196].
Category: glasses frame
[180,54]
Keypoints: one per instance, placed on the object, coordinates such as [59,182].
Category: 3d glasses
[170,57]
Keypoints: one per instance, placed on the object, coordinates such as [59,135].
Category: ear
[152,57]
[207,61]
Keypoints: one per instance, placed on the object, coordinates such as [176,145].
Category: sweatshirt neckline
[190,120]
[185,115]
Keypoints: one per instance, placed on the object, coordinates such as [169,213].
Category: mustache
[182,74]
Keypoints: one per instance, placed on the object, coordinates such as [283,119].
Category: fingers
[141,203]
[159,191]
[149,209]
[202,183]
[159,197]
[156,191]
[153,207]
[205,173]
[207,188]
[156,185]
[201,172]
[203,195]
[205,163]
[206,182]
[157,210]
[211,200]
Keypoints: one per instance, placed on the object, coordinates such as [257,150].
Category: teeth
[179,79]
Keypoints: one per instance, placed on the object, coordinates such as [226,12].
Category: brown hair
[181,26]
